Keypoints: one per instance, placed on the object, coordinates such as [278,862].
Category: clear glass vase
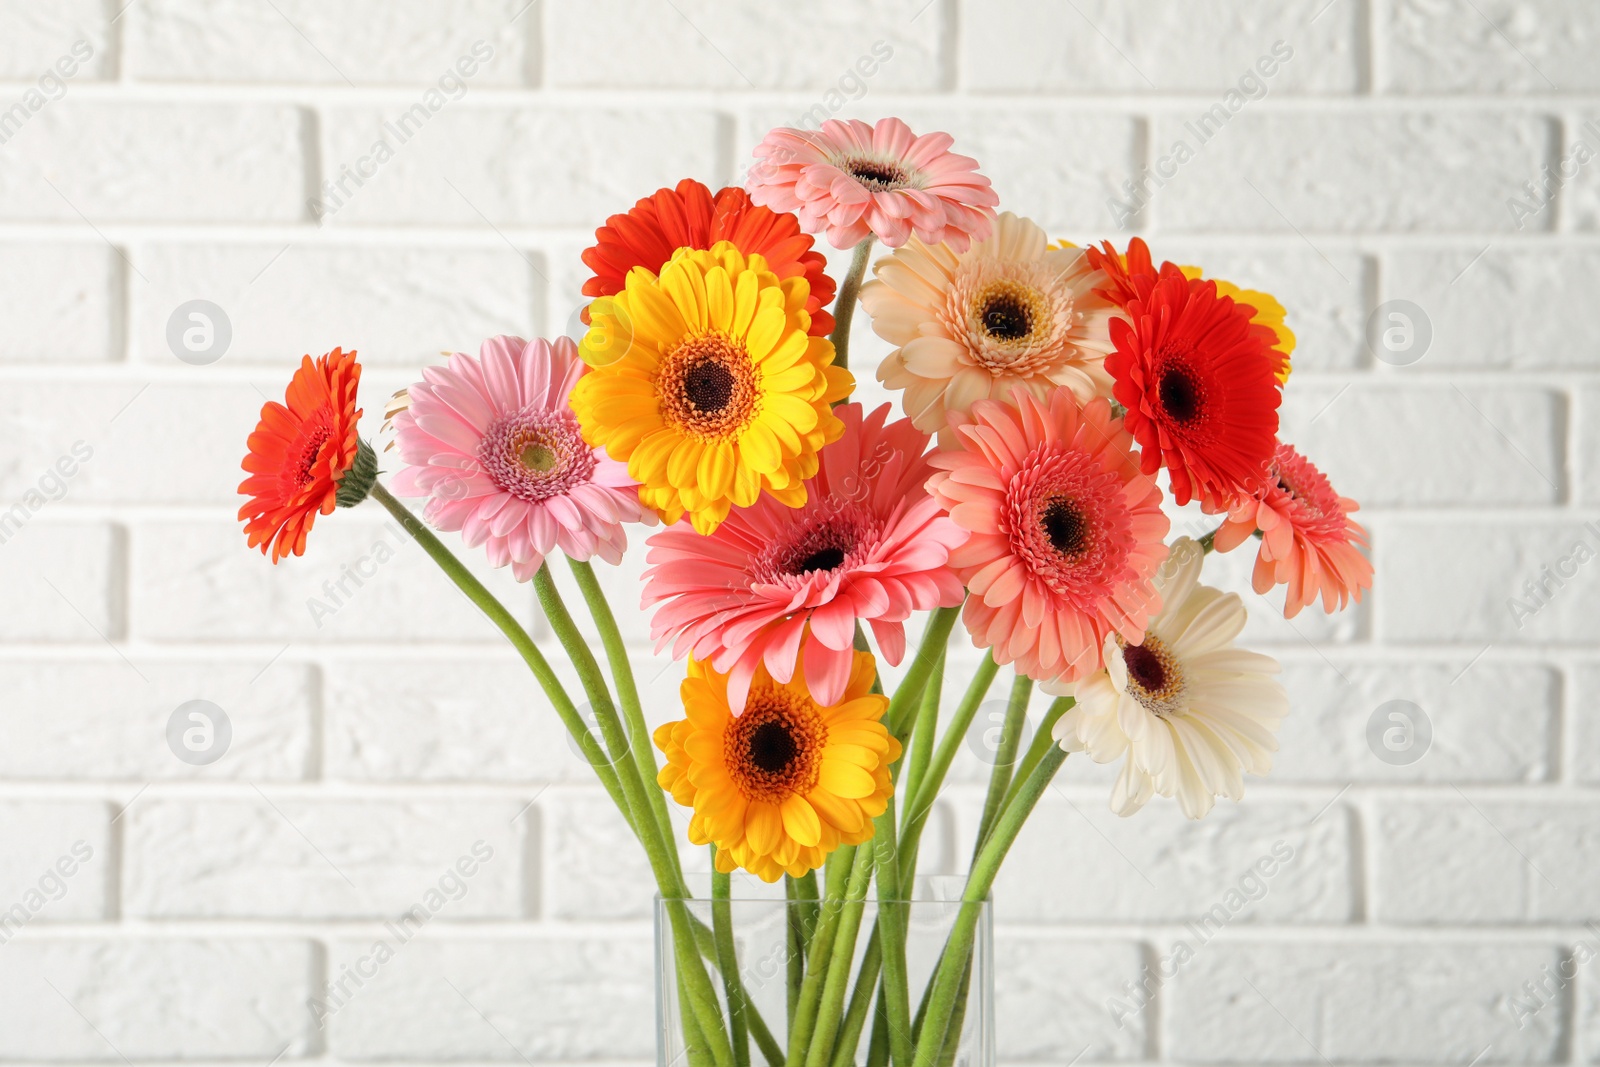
[766,930]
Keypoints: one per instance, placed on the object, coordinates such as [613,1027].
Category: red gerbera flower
[300,453]
[1197,379]
[1308,540]
[1130,276]
[689,217]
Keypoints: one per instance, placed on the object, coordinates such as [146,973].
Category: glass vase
[766,930]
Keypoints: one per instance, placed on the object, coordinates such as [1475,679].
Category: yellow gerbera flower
[706,383]
[786,782]
[1269,313]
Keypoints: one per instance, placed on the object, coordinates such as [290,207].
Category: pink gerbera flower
[1308,540]
[492,443]
[855,180]
[1066,531]
[869,544]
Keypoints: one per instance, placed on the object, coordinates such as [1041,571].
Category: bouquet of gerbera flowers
[1045,389]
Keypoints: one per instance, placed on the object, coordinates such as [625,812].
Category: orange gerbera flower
[301,454]
[690,217]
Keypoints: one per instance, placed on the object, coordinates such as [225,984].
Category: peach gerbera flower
[1010,313]
[854,181]
[1308,540]
[492,444]
[868,544]
[1066,532]
[302,452]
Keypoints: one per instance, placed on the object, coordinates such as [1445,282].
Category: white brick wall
[1424,905]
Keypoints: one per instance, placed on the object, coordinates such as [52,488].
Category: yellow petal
[800,821]
[719,299]
[845,780]
[763,827]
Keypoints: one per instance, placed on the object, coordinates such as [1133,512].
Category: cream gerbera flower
[1188,710]
[1009,313]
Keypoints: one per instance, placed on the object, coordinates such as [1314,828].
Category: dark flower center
[1146,667]
[1006,318]
[772,747]
[1065,524]
[823,559]
[539,458]
[310,452]
[878,175]
[1180,395]
[708,387]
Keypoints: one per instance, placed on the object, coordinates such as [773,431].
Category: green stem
[916,763]
[837,984]
[893,917]
[1042,742]
[1005,756]
[908,694]
[655,837]
[507,623]
[844,307]
[916,815]
[878,1047]
[947,978]
[855,1016]
[801,893]
[818,953]
[639,743]
[728,961]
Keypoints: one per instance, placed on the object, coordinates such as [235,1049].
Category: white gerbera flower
[1010,312]
[1188,710]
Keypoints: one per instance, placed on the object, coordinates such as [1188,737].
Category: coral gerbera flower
[1187,711]
[855,180]
[304,456]
[1066,532]
[1308,540]
[1197,380]
[869,544]
[1010,313]
[779,787]
[689,217]
[496,450]
[706,383]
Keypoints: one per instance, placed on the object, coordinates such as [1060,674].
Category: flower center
[1013,316]
[1065,524]
[309,452]
[1007,318]
[708,387]
[535,454]
[1067,520]
[540,458]
[774,750]
[772,747]
[1155,677]
[1182,395]
[875,174]
[829,534]
[823,559]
